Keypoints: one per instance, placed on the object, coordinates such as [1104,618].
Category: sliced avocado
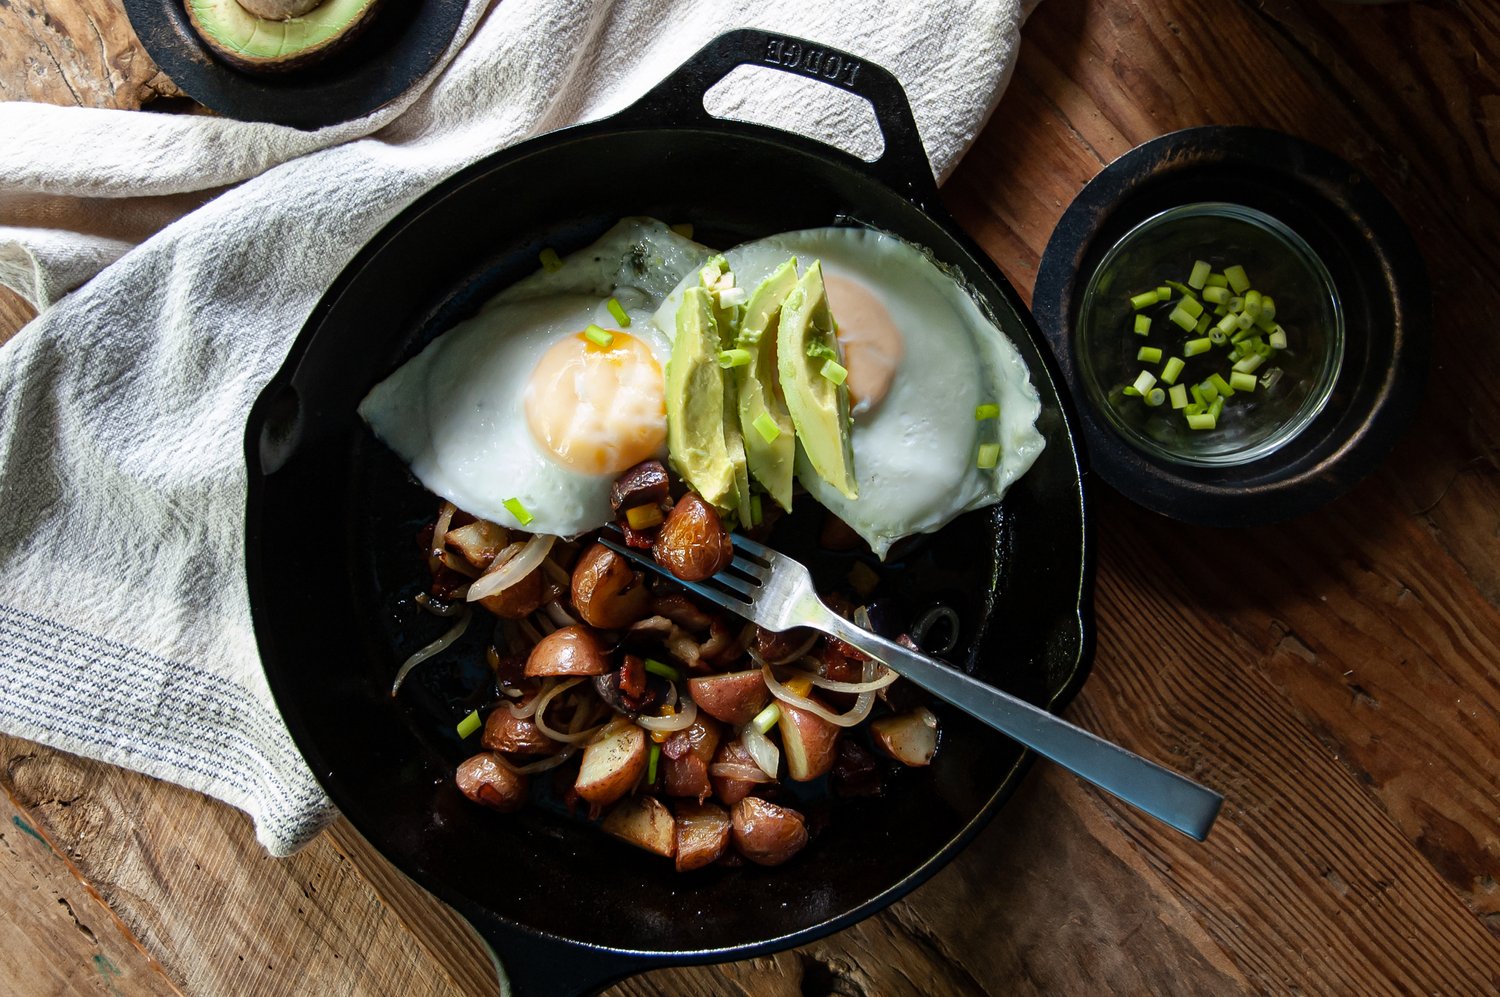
[711,277]
[696,401]
[805,341]
[759,389]
[295,35]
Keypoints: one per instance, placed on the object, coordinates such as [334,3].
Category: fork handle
[1162,793]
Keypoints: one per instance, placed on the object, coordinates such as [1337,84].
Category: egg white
[455,413]
[915,452]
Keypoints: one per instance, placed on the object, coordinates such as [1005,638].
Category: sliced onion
[438,607]
[522,712]
[458,565]
[502,576]
[546,763]
[558,615]
[540,719]
[677,721]
[937,613]
[833,685]
[557,573]
[436,647]
[440,535]
[766,754]
[857,714]
[740,773]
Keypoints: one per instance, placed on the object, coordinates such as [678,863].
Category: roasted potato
[703,831]
[521,599]
[607,592]
[486,780]
[685,759]
[731,791]
[693,543]
[644,821]
[613,762]
[910,738]
[571,650]
[733,697]
[513,735]
[809,742]
[765,833]
[478,541]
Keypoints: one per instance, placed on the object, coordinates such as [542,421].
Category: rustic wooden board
[1338,680]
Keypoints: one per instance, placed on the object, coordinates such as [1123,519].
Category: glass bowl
[1164,247]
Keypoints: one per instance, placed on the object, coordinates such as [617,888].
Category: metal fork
[777,592]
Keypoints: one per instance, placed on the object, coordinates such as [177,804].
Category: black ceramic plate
[401,43]
[567,907]
[1381,282]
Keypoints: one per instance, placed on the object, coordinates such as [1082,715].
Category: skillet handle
[539,966]
[678,100]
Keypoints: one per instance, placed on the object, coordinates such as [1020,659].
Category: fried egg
[516,410]
[921,357]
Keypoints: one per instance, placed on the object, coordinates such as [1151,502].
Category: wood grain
[1338,681]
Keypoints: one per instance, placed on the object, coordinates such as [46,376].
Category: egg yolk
[872,345]
[597,409]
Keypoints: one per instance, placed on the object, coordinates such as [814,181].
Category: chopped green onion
[1244,320]
[1142,325]
[1191,305]
[1217,408]
[1240,335]
[834,371]
[766,718]
[1220,311]
[1242,382]
[1252,304]
[1155,397]
[1194,409]
[1204,321]
[1270,377]
[652,762]
[599,336]
[1235,355]
[515,508]
[989,455]
[1145,382]
[757,516]
[469,724]
[1216,295]
[1248,365]
[1193,347]
[618,311]
[983,412]
[1179,396]
[1143,300]
[1264,321]
[1183,320]
[1201,420]
[1268,307]
[1129,391]
[1227,324]
[1206,393]
[1148,354]
[1278,338]
[1236,305]
[1225,388]
[734,358]
[1237,278]
[1217,280]
[1200,273]
[766,427]
[1217,338]
[551,262]
[663,669]
[1172,368]
[1164,293]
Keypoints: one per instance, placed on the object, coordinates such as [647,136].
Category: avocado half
[305,32]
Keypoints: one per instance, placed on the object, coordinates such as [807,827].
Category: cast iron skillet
[333,562]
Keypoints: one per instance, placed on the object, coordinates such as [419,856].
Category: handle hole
[806,106]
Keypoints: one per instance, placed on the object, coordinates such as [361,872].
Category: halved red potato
[910,738]
[809,742]
[731,791]
[478,541]
[503,731]
[644,821]
[765,833]
[703,831]
[573,650]
[613,762]
[733,697]
[686,756]
[486,780]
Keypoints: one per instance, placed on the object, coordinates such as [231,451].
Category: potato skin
[515,735]
[572,650]
[733,697]
[645,822]
[606,591]
[693,543]
[613,762]
[521,599]
[703,831]
[765,833]
[485,780]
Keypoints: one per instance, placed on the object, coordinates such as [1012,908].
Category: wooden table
[1339,683]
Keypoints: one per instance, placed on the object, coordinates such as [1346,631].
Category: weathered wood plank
[80,52]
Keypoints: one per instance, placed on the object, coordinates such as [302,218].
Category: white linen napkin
[201,244]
